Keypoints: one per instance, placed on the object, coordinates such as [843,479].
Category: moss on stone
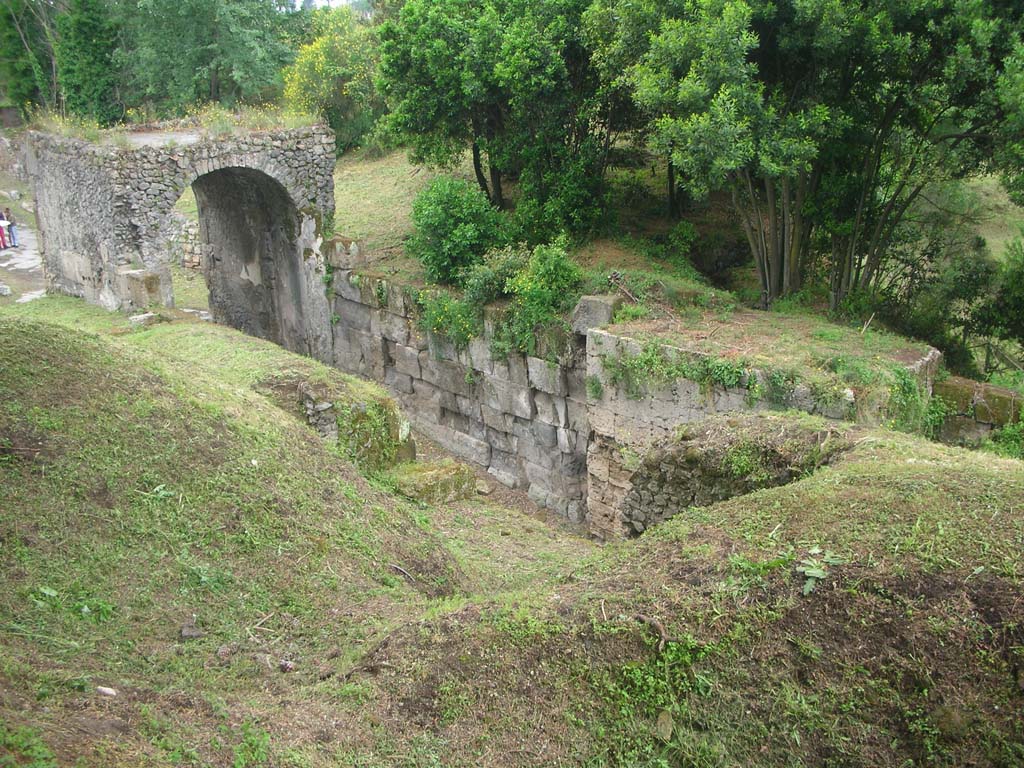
[435,482]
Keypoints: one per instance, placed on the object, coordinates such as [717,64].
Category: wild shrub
[455,227]
[542,293]
[541,287]
[1008,441]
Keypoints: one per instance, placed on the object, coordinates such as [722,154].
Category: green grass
[158,480]
[1001,219]
[187,205]
[190,291]
[161,476]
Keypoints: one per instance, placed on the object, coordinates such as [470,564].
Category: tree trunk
[673,203]
[497,195]
[478,169]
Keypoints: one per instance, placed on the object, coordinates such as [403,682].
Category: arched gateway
[264,200]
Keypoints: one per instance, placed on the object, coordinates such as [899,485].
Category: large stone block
[507,464]
[594,312]
[551,409]
[346,285]
[545,434]
[407,360]
[352,313]
[602,420]
[518,373]
[445,374]
[390,326]
[576,415]
[478,356]
[546,377]
[468,406]
[506,397]
[442,348]
[399,382]
[496,419]
[459,443]
[501,441]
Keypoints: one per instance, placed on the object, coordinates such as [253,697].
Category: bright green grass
[1001,221]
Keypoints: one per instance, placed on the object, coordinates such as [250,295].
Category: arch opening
[258,259]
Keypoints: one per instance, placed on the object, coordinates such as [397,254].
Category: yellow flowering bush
[333,76]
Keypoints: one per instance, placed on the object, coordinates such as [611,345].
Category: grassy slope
[908,652]
[1001,220]
[515,645]
[146,481]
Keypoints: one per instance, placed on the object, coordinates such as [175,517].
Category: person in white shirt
[11,234]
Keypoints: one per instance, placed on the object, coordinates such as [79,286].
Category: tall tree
[334,74]
[825,119]
[28,36]
[178,52]
[85,67]
[512,81]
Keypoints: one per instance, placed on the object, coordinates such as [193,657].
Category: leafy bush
[455,226]
[542,286]
[1008,441]
[456,319]
[571,199]
[1008,379]
[681,239]
[487,281]
[1009,303]
[333,76]
[541,293]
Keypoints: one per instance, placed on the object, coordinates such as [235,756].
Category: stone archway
[265,200]
[251,233]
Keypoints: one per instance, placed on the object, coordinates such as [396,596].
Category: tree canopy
[826,119]
[333,75]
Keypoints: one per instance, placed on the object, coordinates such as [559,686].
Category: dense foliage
[513,82]
[333,76]
[840,132]
[84,61]
[178,52]
[455,226]
[538,287]
[825,121]
[101,59]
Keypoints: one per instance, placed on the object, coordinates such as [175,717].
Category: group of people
[8,230]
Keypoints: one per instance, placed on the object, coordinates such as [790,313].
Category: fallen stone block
[440,482]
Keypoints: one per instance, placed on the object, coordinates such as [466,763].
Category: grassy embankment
[151,480]
[163,478]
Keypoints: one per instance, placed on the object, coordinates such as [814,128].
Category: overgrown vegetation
[333,76]
[535,289]
[455,226]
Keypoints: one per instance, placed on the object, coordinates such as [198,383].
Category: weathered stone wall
[977,409]
[624,428]
[523,418]
[11,160]
[182,242]
[725,456]
[264,199]
[537,425]
[76,202]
